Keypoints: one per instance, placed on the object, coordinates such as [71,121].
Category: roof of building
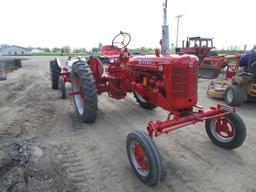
[15,46]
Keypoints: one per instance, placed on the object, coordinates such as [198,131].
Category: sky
[86,23]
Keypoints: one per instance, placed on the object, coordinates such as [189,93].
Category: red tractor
[210,64]
[166,81]
[199,46]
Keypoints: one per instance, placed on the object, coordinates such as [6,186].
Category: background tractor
[166,81]
[199,46]
[240,85]
[60,75]
[210,64]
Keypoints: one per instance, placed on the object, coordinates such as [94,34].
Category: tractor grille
[180,81]
[194,81]
[184,80]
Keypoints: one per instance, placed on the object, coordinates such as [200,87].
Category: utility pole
[177,35]
[165,32]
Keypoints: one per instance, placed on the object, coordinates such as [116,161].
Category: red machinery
[210,64]
[166,81]
[199,46]
[59,76]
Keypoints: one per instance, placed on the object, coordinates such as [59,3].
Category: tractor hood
[162,60]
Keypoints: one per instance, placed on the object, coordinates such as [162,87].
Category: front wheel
[234,95]
[83,84]
[143,102]
[144,157]
[227,132]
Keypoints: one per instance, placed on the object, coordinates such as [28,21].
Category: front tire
[144,157]
[234,95]
[86,102]
[143,102]
[227,132]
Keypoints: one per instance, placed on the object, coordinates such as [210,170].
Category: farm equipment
[210,64]
[199,46]
[7,65]
[61,75]
[166,81]
[239,85]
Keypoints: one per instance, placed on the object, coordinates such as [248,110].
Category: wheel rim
[79,98]
[222,130]
[230,95]
[139,159]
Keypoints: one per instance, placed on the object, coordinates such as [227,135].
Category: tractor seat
[110,51]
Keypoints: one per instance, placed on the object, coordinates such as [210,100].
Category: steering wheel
[121,41]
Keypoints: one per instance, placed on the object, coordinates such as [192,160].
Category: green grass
[59,54]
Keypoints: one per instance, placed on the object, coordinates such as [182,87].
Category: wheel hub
[141,158]
[230,95]
[79,98]
[224,128]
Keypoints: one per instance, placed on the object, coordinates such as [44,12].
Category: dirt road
[92,157]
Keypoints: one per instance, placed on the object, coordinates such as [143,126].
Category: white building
[35,50]
[14,50]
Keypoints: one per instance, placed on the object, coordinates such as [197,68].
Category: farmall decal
[145,62]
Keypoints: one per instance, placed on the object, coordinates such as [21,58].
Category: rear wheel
[144,157]
[227,132]
[62,88]
[143,102]
[55,71]
[234,95]
[83,83]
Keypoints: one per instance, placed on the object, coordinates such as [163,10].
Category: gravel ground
[42,138]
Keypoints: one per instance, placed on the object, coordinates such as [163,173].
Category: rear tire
[144,157]
[62,88]
[86,102]
[142,102]
[234,95]
[227,132]
[55,71]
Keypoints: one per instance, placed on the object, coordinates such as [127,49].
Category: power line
[178,21]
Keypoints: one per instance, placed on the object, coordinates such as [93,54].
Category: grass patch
[66,54]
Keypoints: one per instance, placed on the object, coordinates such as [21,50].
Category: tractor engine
[169,82]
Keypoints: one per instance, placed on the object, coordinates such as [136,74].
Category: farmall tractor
[210,64]
[166,81]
